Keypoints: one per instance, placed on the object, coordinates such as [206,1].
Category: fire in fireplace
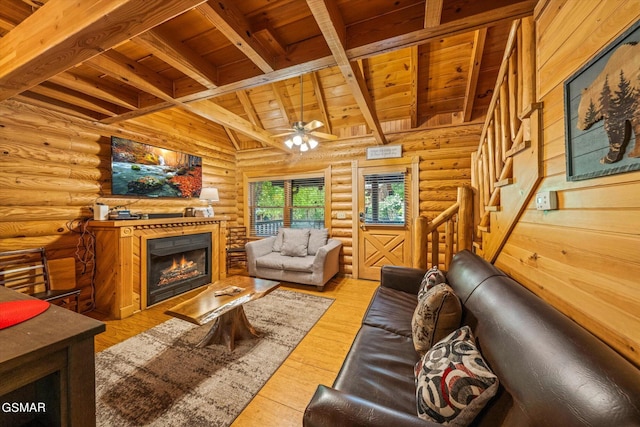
[176,265]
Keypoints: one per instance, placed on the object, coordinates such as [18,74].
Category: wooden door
[384,235]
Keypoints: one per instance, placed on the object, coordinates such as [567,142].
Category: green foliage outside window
[297,203]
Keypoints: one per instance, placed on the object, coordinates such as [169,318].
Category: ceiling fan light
[297,139]
[312,143]
[289,143]
[304,147]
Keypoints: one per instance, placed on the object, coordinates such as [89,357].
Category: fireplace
[176,265]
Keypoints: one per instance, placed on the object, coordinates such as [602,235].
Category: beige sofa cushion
[317,239]
[276,261]
[295,242]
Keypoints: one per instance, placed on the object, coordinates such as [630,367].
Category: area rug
[159,377]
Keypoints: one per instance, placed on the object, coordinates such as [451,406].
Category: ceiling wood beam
[522,8]
[6,25]
[48,103]
[179,56]
[96,89]
[243,97]
[74,32]
[268,38]
[73,97]
[133,73]
[322,104]
[140,112]
[214,112]
[279,93]
[479,39]
[432,13]
[140,76]
[33,4]
[232,138]
[256,81]
[332,26]
[364,48]
[224,14]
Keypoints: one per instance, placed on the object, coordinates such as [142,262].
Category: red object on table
[14,312]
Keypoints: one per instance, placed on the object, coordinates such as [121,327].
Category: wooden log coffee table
[230,322]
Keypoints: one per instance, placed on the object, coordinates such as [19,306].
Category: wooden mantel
[121,245]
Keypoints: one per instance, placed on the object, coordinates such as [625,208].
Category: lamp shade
[210,194]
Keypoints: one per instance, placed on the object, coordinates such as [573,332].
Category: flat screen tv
[143,170]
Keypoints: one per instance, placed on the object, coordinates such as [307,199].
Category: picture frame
[602,111]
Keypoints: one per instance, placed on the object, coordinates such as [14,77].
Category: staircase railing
[456,225]
[507,167]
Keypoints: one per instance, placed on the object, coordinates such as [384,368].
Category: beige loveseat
[304,255]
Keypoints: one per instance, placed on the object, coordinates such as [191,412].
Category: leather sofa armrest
[256,249]
[332,408]
[405,279]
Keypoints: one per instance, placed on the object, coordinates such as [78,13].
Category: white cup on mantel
[100,212]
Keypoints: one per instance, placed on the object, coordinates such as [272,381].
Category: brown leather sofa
[552,372]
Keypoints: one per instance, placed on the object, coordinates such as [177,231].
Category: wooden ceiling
[369,67]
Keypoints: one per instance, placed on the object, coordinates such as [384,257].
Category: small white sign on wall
[384,152]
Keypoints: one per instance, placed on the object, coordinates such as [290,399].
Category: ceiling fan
[303,134]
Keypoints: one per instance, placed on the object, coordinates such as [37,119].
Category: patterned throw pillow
[437,314]
[431,278]
[453,382]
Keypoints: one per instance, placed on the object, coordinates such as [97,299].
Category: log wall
[445,165]
[584,258]
[53,168]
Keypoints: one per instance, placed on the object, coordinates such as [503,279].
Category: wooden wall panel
[444,163]
[585,257]
[53,168]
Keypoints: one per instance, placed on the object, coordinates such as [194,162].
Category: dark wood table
[48,363]
[230,322]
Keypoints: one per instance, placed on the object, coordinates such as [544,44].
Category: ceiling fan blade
[283,134]
[313,124]
[323,135]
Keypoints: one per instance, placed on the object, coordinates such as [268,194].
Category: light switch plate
[546,201]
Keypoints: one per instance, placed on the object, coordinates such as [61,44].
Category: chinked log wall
[53,167]
[445,165]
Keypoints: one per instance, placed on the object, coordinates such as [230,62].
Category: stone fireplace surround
[121,266]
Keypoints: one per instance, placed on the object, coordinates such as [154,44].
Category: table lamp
[209,194]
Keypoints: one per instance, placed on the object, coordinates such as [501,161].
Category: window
[294,203]
[384,199]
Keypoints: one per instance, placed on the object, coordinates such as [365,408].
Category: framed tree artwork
[602,111]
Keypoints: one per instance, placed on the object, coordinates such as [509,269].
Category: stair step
[518,148]
[484,229]
[492,208]
[504,182]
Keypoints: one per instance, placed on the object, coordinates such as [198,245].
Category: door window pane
[385,201]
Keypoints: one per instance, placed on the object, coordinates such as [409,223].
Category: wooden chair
[236,239]
[27,271]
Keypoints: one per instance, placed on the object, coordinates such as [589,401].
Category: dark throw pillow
[432,277]
[453,381]
[437,314]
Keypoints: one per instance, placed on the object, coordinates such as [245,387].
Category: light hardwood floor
[316,360]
